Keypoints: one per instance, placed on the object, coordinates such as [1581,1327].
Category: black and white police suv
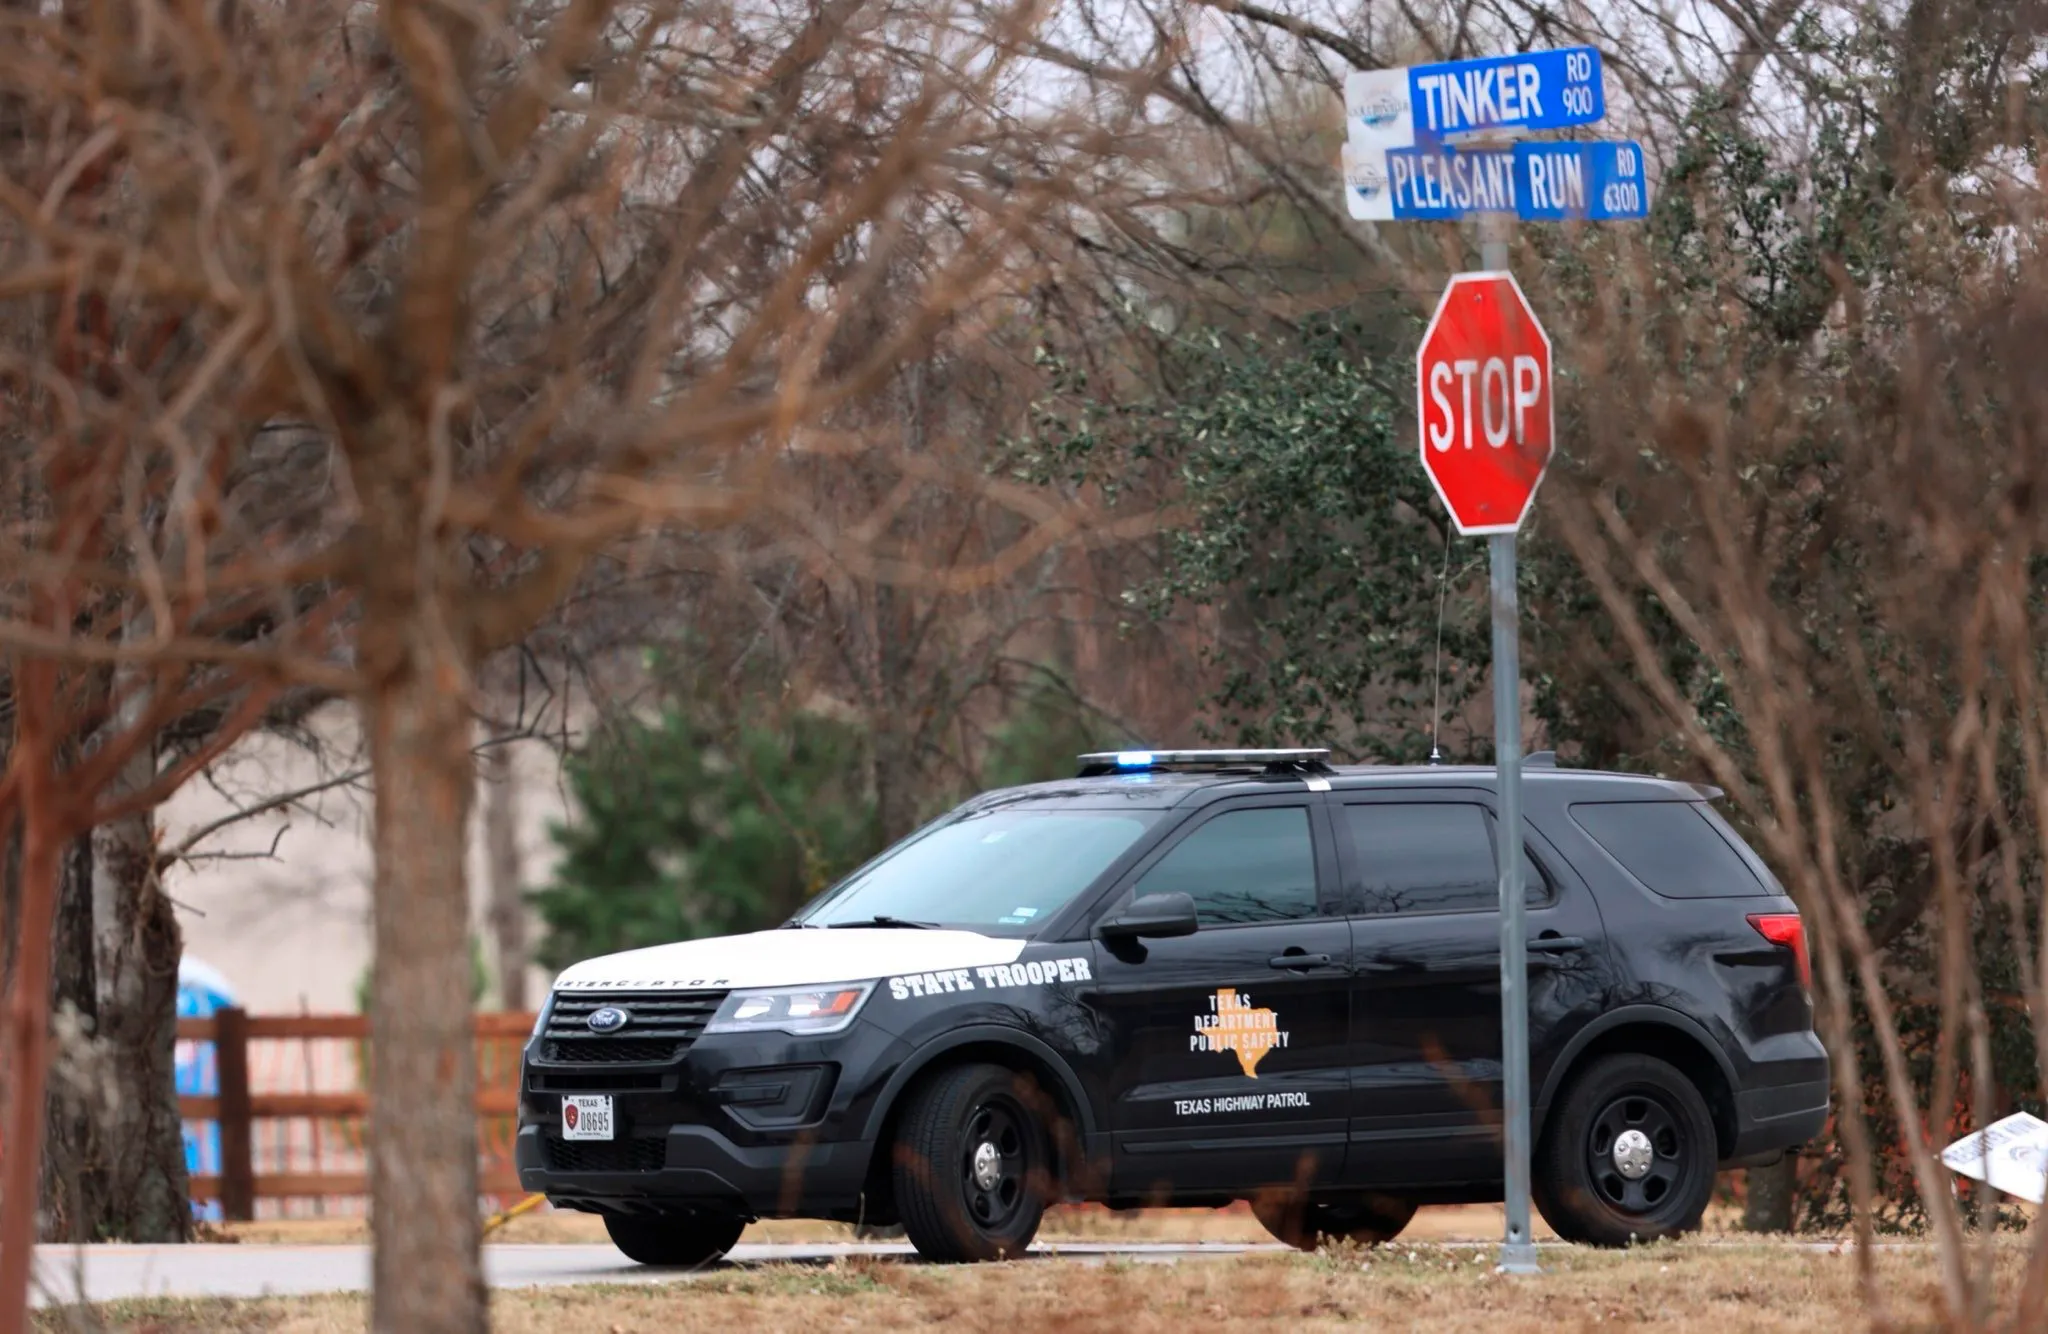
[1188,978]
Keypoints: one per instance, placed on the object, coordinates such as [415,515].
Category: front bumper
[701,1168]
[766,1125]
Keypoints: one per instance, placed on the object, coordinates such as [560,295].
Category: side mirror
[1154,916]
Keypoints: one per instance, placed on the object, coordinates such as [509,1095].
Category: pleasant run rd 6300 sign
[1483,392]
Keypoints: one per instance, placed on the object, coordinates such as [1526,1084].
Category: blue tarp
[201,991]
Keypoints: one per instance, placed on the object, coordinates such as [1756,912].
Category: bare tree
[532,278]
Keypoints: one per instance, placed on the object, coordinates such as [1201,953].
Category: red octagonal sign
[1483,391]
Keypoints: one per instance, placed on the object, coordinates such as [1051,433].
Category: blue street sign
[1600,182]
[1543,182]
[1536,90]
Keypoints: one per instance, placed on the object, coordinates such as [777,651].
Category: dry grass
[1700,1287]
[1479,1222]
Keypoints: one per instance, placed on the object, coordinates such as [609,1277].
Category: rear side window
[1671,846]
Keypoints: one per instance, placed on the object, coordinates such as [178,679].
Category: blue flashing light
[1134,759]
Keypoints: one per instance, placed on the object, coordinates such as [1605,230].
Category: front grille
[615,1050]
[643,1154]
[660,1026]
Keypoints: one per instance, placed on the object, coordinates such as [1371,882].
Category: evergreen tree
[703,820]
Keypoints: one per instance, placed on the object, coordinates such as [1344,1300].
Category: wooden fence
[325,1159]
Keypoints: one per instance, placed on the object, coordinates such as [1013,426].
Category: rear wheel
[674,1240]
[972,1164]
[1628,1155]
[1367,1219]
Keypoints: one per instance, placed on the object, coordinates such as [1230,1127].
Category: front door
[1424,893]
[1226,1048]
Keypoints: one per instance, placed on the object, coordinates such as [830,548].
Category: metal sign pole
[1517,1251]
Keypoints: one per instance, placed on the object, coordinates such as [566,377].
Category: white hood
[788,958]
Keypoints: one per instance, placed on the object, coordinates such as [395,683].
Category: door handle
[1297,961]
[1556,944]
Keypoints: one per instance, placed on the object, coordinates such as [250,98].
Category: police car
[1188,978]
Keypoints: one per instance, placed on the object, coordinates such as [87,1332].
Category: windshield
[1003,871]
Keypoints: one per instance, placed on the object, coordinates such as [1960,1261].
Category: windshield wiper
[884,920]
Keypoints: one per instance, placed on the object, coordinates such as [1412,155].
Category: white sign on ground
[2009,1156]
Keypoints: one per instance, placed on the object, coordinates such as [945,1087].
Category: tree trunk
[1772,1192]
[426,1272]
[114,1158]
[508,898]
[28,994]
[114,1165]
[74,1152]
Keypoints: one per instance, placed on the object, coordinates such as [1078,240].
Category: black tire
[1596,1184]
[674,1241]
[972,1164]
[1367,1219]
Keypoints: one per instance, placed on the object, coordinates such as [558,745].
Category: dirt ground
[1081,1223]
[1693,1287]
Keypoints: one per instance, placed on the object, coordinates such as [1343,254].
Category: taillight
[1785,928]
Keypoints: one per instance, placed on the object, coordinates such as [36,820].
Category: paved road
[107,1273]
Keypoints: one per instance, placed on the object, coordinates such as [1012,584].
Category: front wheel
[971,1165]
[675,1241]
[1628,1156]
[1367,1219]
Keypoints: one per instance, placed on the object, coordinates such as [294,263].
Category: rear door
[1226,1049]
[1422,898]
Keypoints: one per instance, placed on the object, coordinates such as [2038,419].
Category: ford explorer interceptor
[1189,978]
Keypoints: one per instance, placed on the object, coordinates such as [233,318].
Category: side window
[1242,866]
[1429,857]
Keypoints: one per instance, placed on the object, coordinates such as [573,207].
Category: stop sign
[1483,392]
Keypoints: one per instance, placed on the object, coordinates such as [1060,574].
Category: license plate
[587,1116]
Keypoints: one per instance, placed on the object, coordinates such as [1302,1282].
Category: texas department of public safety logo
[610,1019]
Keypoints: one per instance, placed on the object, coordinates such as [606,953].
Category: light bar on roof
[1197,759]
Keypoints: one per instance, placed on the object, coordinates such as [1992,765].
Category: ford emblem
[610,1019]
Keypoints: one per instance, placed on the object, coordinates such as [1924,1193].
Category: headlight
[802,1010]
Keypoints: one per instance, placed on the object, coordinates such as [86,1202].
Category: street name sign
[1538,182]
[1534,90]
[1483,398]
[1415,145]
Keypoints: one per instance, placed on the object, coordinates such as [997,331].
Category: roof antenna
[1436,715]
